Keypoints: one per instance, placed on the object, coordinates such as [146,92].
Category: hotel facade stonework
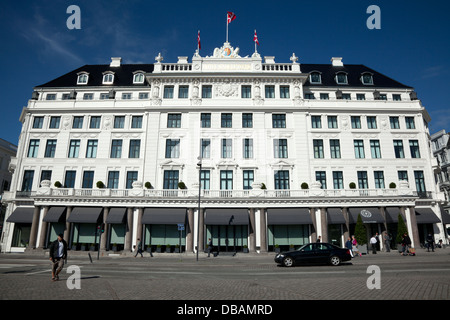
[254,154]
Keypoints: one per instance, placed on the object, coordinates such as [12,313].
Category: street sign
[180,227]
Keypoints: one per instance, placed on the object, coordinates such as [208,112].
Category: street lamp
[199,164]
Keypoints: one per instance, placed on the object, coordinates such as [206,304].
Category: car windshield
[306,247]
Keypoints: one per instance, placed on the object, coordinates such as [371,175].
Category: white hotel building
[289,152]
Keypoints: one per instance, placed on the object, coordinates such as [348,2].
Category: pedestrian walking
[406,242]
[319,239]
[209,247]
[378,244]
[355,246]
[58,253]
[348,245]
[387,241]
[430,242]
[139,248]
[373,243]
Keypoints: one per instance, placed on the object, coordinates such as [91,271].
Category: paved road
[243,277]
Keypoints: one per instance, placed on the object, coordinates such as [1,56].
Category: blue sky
[411,47]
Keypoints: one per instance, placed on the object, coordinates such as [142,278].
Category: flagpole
[255,43]
[227,27]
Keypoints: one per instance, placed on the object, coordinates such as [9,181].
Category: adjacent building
[251,153]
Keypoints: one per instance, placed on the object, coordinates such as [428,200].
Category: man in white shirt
[373,243]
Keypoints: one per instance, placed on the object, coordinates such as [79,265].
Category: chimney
[337,62]
[115,62]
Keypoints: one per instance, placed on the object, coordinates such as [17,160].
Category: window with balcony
[281,179]
[69,179]
[88,179]
[338,180]
[379,179]
[248,178]
[321,176]
[132,176]
[113,180]
[171,179]
[363,182]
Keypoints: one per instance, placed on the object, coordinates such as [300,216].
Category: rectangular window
[278,121]
[172,148]
[66,96]
[46,175]
[227,148]
[206,148]
[281,179]
[74,148]
[54,122]
[248,178]
[226,120]
[321,176]
[126,96]
[226,179]
[420,182]
[95,122]
[88,96]
[170,179]
[205,119]
[346,96]
[91,150]
[50,148]
[143,95]
[205,179]
[132,176]
[379,179]
[324,96]
[206,92]
[183,92]
[356,122]
[174,120]
[360,96]
[104,96]
[88,179]
[248,148]
[338,180]
[398,149]
[280,148]
[116,149]
[332,122]
[414,148]
[316,122]
[38,122]
[410,123]
[136,122]
[396,97]
[335,149]
[27,182]
[371,122]
[113,180]
[309,96]
[318,148]
[168,92]
[135,149]
[33,148]
[375,149]
[50,96]
[247,120]
[284,92]
[363,182]
[246,92]
[119,122]
[394,122]
[69,179]
[402,175]
[269,92]
[359,149]
[77,122]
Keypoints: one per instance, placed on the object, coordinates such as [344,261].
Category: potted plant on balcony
[263,186]
[304,186]
[181,185]
[58,184]
[100,184]
[392,185]
[352,185]
[148,185]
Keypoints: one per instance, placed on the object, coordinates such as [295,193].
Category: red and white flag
[230,16]
[198,41]
[255,38]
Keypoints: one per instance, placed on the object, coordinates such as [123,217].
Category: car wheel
[288,262]
[335,260]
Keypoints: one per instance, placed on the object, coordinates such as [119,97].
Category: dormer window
[83,78]
[341,78]
[138,77]
[367,78]
[108,78]
[315,77]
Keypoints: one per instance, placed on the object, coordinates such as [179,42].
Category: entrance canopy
[85,215]
[21,215]
[164,216]
[116,215]
[426,215]
[55,214]
[229,216]
[368,215]
[287,216]
[335,216]
[392,214]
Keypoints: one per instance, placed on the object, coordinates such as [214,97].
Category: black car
[314,253]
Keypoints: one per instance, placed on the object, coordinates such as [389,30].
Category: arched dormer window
[83,78]
[138,77]
[341,78]
[108,77]
[315,77]
[367,78]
